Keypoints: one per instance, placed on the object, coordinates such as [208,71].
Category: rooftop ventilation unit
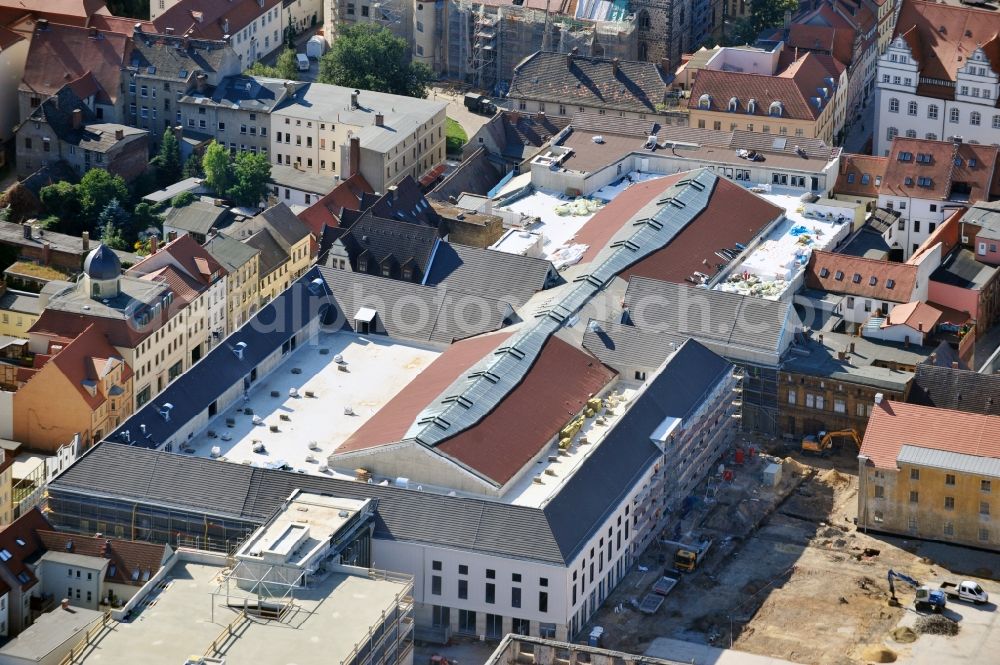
[239,349]
[165,411]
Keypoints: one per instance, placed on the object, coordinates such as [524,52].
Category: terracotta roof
[194,259]
[205,19]
[130,562]
[123,25]
[942,36]
[852,275]
[73,12]
[23,530]
[8,38]
[185,288]
[389,424]
[60,54]
[925,169]
[87,359]
[715,228]
[327,209]
[838,42]
[555,389]
[562,78]
[893,425]
[797,88]
[860,175]
[916,315]
[55,323]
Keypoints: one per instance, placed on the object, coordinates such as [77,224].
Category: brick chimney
[119,134]
[379,120]
[665,66]
[46,252]
[154,244]
[615,66]
[77,118]
[569,57]
[26,231]
[200,82]
[354,156]
[85,241]
[171,236]
[954,364]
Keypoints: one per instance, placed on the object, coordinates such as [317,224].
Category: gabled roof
[22,530]
[197,217]
[61,54]
[956,389]
[799,89]
[476,271]
[838,42]
[893,425]
[860,175]
[184,287]
[57,112]
[622,346]
[916,315]
[210,19]
[377,241]
[196,261]
[282,223]
[853,275]
[942,35]
[328,209]
[563,78]
[75,12]
[230,253]
[77,363]
[165,57]
[961,268]
[130,561]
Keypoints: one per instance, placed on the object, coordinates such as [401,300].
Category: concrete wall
[956,297]
[414,462]
[80,584]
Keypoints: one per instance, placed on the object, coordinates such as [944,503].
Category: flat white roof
[376,367]
[783,254]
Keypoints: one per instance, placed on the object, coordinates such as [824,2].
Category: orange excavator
[822,443]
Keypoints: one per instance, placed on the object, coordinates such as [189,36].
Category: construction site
[480,42]
[768,560]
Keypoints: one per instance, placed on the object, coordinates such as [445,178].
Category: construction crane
[822,443]
[926,597]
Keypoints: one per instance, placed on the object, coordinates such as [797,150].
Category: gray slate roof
[197,217]
[488,272]
[411,311]
[621,346]
[159,57]
[956,389]
[13,234]
[21,301]
[987,216]
[961,269]
[57,112]
[229,252]
[715,318]
[561,78]
[283,225]
[949,461]
[288,176]
[248,93]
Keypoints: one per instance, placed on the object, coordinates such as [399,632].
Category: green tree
[181,200]
[218,168]
[115,215]
[192,167]
[168,162]
[143,218]
[61,199]
[370,57]
[112,237]
[286,67]
[96,190]
[250,175]
[765,14]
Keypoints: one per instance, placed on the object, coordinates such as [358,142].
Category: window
[975,118]
[839,406]
[436,585]
[891,133]
[914,474]
[515,597]
[914,497]
[463,589]
[953,116]
[949,528]
[463,569]
[543,601]
[879,492]
[791,397]
[984,507]
[911,108]
[879,516]
[932,111]
[516,577]
[491,593]
[893,105]
[984,486]
[984,535]
[466,618]
[640,376]
[949,503]
[949,479]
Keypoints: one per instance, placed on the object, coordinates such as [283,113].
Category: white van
[303,62]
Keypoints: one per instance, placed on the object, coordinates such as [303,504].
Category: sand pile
[876,654]
[904,635]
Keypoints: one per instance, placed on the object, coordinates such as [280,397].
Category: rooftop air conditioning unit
[165,411]
[239,349]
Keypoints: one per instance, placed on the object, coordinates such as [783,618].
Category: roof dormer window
[733,104]
[705,102]
[752,106]
[775,109]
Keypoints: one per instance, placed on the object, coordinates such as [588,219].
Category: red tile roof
[389,424]
[838,42]
[860,175]
[185,288]
[70,12]
[123,25]
[942,163]
[327,210]
[23,530]
[62,54]
[855,275]
[942,36]
[896,424]
[8,38]
[130,562]
[916,315]
[88,358]
[206,19]
[796,88]
[555,389]
[194,258]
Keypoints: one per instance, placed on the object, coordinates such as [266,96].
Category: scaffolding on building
[485,41]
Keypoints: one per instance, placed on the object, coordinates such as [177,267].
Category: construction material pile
[936,624]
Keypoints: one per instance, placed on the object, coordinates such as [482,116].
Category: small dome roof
[102,263]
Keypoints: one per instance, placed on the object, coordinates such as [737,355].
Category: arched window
[996,122]
[893,105]
[733,104]
[644,22]
[775,109]
[911,133]
[932,111]
[891,133]
[911,108]
[954,115]
[975,118]
[705,102]
[752,106]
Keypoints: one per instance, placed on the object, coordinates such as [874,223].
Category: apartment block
[242,265]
